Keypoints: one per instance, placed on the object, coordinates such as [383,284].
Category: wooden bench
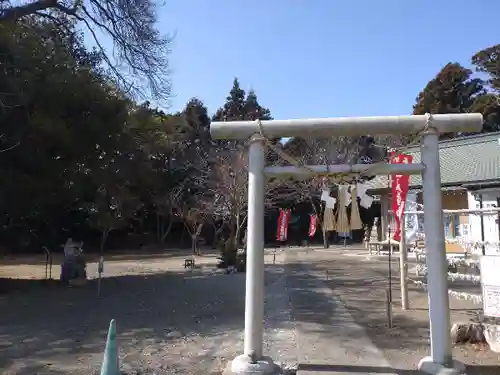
[189,263]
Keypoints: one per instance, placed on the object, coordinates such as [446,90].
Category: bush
[229,256]
[241,262]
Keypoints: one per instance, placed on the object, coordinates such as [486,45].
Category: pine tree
[239,106]
[228,176]
[489,106]
[234,107]
[453,90]
[488,61]
[196,116]
[198,141]
[253,110]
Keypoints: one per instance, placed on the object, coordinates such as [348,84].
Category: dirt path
[170,320]
[361,284]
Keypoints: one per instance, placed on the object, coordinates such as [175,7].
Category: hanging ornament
[328,216]
[325,194]
[342,220]
[346,195]
[365,199]
[355,218]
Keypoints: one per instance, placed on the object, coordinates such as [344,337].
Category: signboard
[490,282]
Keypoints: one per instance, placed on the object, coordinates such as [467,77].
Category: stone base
[472,333]
[241,366]
[492,336]
[429,367]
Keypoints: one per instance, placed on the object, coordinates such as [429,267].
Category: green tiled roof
[473,159]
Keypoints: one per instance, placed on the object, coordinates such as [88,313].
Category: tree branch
[10,148]
[15,13]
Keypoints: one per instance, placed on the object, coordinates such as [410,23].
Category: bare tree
[333,151]
[227,191]
[140,52]
[112,209]
[166,205]
[192,210]
[188,199]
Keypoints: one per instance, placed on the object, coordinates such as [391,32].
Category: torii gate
[429,127]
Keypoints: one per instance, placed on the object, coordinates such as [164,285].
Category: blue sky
[321,58]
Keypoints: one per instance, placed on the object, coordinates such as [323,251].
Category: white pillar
[252,360]
[439,309]
[403,265]
[254,297]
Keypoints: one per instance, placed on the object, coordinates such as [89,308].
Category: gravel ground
[360,282]
[169,320]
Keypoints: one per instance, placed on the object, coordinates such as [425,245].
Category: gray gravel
[280,341]
[169,321]
[360,283]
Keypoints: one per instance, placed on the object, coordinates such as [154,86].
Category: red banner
[283,224]
[400,185]
[313,219]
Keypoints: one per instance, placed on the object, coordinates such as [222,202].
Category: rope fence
[469,233]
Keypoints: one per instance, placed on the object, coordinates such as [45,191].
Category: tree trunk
[158,226]
[326,245]
[194,248]
[217,231]
[182,235]
[237,234]
[140,230]
[104,237]
[167,230]
[238,230]
[232,233]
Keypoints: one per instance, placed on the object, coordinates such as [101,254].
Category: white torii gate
[430,126]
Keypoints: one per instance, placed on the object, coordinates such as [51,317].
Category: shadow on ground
[46,325]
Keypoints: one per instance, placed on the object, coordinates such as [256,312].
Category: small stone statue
[74,267]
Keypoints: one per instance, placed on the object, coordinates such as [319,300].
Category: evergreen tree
[488,105]
[488,61]
[453,90]
[196,117]
[253,110]
[240,107]
[234,107]
[228,178]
